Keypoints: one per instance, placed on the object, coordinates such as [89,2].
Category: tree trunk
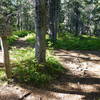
[6,57]
[40,27]
[53,18]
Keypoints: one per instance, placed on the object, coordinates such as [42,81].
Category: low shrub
[27,70]
[21,33]
[12,39]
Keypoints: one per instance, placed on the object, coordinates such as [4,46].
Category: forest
[50,50]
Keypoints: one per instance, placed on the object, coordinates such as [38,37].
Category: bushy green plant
[34,74]
[30,38]
[27,70]
[12,39]
[21,33]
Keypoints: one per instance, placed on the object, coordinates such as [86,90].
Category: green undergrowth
[30,38]
[83,42]
[18,34]
[27,70]
[2,73]
[21,33]
[65,41]
[3,78]
[70,42]
[12,39]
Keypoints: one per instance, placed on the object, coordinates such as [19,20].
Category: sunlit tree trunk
[40,27]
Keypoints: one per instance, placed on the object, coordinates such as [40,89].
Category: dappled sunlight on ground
[22,43]
[81,81]
[83,77]
[85,88]
[80,62]
[17,93]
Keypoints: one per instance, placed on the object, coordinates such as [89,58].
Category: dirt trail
[17,93]
[81,81]
[82,73]
[80,63]
[22,43]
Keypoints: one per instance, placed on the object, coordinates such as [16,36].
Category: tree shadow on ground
[77,86]
[87,85]
[70,84]
[86,53]
[10,96]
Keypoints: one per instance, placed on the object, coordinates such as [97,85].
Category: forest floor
[81,81]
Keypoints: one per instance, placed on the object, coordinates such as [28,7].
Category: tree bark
[6,57]
[40,27]
[53,18]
